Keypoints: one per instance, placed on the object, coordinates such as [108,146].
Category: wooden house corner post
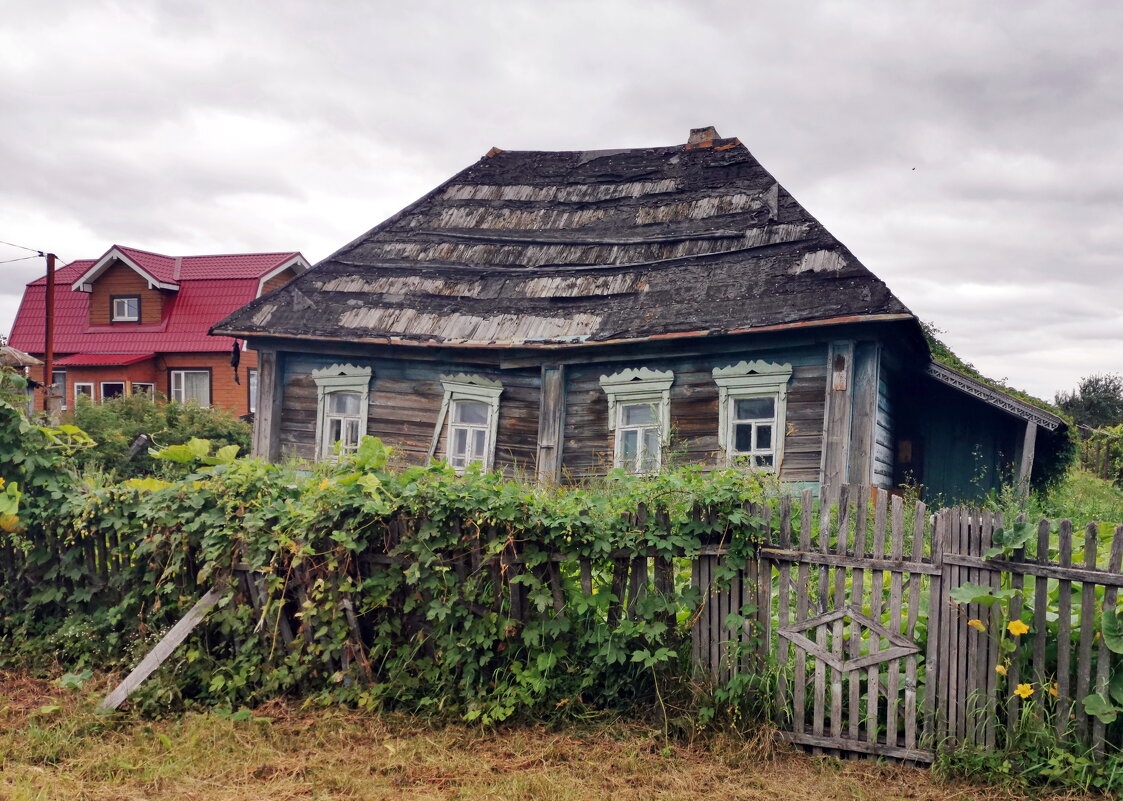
[551,423]
[1025,466]
[270,395]
[834,471]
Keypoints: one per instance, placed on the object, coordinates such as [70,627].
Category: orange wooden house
[134,321]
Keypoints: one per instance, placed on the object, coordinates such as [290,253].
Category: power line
[21,258]
[36,251]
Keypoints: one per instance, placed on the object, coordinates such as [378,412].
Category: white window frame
[251,389]
[89,384]
[639,385]
[126,318]
[755,379]
[179,396]
[151,387]
[104,384]
[59,386]
[339,378]
[464,387]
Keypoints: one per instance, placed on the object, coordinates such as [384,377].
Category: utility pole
[49,398]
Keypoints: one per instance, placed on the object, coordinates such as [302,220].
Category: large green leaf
[1101,708]
[1112,628]
[971,593]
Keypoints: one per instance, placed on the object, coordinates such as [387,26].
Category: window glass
[191,385]
[638,413]
[755,408]
[83,391]
[112,389]
[473,412]
[142,388]
[343,403]
[763,437]
[650,450]
[251,381]
[126,308]
[629,446]
[743,437]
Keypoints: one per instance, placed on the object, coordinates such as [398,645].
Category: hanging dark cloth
[235,360]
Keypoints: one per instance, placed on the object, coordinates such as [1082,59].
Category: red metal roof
[103,359]
[210,288]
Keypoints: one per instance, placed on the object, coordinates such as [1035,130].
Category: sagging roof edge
[531,345]
[995,397]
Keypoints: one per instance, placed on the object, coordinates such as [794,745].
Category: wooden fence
[873,653]
[850,603]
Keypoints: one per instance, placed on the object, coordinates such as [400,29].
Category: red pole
[49,336]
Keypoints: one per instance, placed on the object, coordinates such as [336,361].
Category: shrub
[115,424]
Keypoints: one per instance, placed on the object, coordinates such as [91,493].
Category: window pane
[743,437]
[650,448]
[460,442]
[479,439]
[763,437]
[197,387]
[763,461]
[638,414]
[350,434]
[344,402]
[755,408]
[112,390]
[629,447]
[470,412]
[251,379]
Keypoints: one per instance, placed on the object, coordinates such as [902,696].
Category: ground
[53,746]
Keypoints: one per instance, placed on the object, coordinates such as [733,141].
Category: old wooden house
[565,313]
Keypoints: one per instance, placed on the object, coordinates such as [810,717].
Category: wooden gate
[839,604]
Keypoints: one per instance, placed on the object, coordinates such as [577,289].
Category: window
[112,389]
[144,388]
[83,390]
[751,405]
[251,388]
[58,384]
[639,411]
[342,397]
[126,308]
[471,408]
[191,385]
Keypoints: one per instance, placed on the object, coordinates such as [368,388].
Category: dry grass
[68,752]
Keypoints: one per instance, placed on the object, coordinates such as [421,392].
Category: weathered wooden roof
[994,396]
[554,248]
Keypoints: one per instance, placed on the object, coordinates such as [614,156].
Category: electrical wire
[21,258]
[36,251]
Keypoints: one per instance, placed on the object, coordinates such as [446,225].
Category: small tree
[1096,402]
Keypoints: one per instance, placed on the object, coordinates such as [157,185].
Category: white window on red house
[144,388]
[58,381]
[112,389]
[126,309]
[83,389]
[191,386]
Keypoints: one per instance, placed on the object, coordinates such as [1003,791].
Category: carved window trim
[638,385]
[465,387]
[330,380]
[755,379]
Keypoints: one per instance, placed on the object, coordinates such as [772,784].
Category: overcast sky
[969,153]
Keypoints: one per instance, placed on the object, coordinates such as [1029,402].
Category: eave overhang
[994,397]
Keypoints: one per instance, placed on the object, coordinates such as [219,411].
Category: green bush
[115,424]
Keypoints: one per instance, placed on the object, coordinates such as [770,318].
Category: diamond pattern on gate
[899,646]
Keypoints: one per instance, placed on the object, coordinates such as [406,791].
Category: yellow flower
[1053,689]
[977,625]
[1000,670]
[1017,627]
[1,482]
[1024,690]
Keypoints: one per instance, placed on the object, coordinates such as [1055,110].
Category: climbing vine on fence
[476,595]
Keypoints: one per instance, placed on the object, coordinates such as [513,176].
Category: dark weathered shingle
[554,247]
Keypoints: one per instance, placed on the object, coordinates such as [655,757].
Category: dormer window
[125,308]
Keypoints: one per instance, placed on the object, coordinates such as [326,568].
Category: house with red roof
[134,321]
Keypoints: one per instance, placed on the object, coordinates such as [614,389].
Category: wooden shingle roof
[555,248]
